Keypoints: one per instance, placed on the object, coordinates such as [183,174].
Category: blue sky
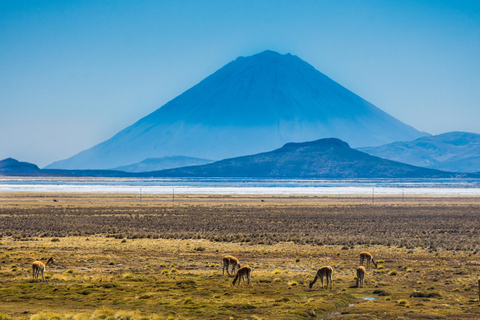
[73,73]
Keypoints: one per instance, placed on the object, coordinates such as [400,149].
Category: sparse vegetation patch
[171,265]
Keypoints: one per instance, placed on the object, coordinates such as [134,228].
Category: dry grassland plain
[117,257]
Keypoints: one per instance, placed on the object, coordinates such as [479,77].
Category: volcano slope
[250,105]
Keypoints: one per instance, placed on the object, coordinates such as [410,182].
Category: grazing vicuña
[39,267]
[230,261]
[321,273]
[360,276]
[366,256]
[242,273]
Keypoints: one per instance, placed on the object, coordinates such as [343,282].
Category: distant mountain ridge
[323,158]
[252,104]
[156,164]
[451,151]
[11,165]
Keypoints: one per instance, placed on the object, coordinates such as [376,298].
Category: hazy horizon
[73,74]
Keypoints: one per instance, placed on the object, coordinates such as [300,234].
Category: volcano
[250,105]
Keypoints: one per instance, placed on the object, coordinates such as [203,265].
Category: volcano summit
[250,105]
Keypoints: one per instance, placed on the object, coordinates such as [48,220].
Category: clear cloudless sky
[74,73]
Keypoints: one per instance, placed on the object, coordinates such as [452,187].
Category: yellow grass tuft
[46,316]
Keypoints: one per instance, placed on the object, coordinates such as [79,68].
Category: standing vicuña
[365,256]
[323,272]
[360,276]
[242,273]
[38,267]
[229,260]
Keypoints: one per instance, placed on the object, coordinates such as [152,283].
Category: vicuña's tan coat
[230,261]
[360,276]
[39,267]
[242,273]
[479,289]
[366,256]
[321,273]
